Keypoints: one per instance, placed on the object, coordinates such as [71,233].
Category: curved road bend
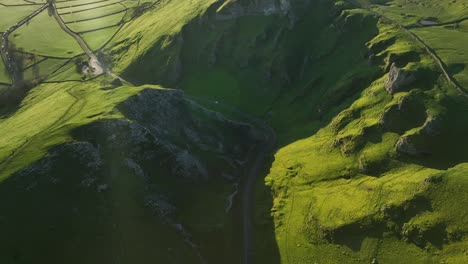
[257,164]
[7,59]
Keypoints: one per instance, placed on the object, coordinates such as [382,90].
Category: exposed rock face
[432,126]
[406,146]
[408,113]
[397,79]
[166,128]
[413,145]
[239,8]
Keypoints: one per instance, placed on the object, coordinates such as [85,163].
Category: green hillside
[234,131]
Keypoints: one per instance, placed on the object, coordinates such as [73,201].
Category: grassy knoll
[10,15]
[43,36]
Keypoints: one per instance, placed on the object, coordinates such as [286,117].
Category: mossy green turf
[10,15]
[43,36]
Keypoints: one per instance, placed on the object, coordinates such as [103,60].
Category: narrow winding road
[262,153]
[94,63]
[93,60]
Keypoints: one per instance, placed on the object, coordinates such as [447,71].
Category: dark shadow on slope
[396,222]
[269,70]
[441,143]
[266,247]
[12,96]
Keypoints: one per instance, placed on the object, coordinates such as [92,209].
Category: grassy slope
[351,158]
[60,108]
[313,179]
[323,193]
[117,220]
[155,26]
[320,168]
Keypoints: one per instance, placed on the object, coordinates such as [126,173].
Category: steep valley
[237,131]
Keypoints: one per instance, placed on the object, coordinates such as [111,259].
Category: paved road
[93,60]
[7,59]
[263,152]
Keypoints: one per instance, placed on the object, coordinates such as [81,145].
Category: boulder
[397,79]
[404,145]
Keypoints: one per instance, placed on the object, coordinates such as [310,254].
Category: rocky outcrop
[432,126]
[409,112]
[398,79]
[237,8]
[412,145]
[405,146]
